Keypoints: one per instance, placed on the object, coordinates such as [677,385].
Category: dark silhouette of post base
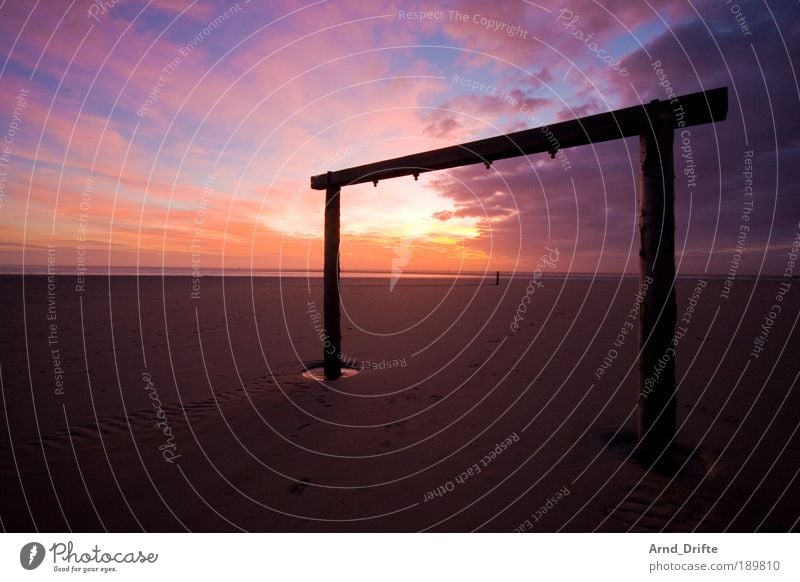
[333,330]
[656,398]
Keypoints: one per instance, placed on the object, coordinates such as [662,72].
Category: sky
[183,134]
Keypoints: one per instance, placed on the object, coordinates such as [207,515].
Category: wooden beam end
[319,182]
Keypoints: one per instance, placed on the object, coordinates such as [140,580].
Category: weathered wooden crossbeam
[684,111]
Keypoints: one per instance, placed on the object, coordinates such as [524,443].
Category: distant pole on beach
[333,329]
[497,279]
[657,401]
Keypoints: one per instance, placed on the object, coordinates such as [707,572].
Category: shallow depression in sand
[318,373]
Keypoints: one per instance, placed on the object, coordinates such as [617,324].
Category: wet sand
[147,404]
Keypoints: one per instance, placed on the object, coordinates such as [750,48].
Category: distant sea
[128,271]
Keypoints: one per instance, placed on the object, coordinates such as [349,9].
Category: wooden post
[656,400]
[497,279]
[333,330]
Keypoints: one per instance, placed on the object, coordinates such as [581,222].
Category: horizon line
[149,271]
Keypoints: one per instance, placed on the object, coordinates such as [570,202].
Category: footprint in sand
[298,488]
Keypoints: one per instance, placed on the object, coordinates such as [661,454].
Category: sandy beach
[133,404]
